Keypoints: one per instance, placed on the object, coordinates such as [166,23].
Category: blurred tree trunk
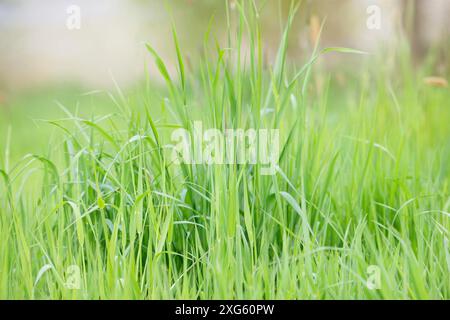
[413,20]
[418,40]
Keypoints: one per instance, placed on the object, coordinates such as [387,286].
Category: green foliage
[362,179]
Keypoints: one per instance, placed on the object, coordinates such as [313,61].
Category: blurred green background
[43,63]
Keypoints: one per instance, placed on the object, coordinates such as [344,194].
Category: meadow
[92,205]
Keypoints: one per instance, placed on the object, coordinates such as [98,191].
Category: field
[93,204]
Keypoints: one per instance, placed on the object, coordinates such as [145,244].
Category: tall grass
[362,180]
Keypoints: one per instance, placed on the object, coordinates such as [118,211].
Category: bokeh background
[43,63]
[36,47]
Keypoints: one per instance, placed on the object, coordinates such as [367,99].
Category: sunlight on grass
[362,180]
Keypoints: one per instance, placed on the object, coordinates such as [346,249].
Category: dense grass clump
[361,186]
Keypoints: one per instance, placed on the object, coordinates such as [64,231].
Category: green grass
[363,180]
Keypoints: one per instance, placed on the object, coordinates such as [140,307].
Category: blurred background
[37,48]
[43,59]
